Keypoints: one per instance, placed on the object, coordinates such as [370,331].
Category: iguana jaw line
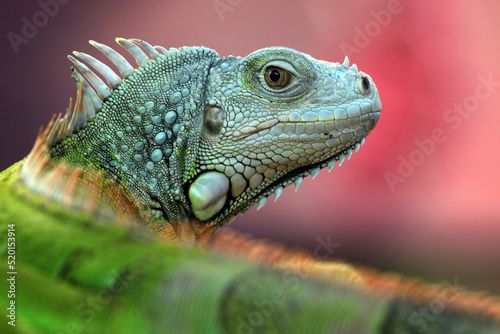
[247,131]
[296,176]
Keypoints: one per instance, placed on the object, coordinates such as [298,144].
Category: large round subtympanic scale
[208,194]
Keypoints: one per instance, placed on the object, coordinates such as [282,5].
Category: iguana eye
[277,77]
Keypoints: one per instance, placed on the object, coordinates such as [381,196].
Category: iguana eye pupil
[274,75]
[277,77]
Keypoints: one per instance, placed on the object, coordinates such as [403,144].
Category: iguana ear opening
[213,120]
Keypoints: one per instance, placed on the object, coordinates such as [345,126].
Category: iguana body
[180,146]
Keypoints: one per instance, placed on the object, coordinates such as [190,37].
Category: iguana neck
[145,134]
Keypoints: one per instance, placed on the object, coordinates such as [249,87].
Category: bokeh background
[439,219]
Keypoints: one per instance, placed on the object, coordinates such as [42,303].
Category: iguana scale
[106,207]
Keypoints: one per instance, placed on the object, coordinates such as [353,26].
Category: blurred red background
[438,219]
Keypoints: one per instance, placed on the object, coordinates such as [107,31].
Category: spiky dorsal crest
[86,188]
[71,185]
[91,90]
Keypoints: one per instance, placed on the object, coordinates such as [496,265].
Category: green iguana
[97,220]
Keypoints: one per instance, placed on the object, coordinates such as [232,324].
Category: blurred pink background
[439,219]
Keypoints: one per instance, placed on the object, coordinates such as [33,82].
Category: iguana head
[195,137]
[271,119]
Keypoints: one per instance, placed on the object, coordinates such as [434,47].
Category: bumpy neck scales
[197,137]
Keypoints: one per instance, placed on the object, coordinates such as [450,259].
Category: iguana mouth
[297,175]
[247,131]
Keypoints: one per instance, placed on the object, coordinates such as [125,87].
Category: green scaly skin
[76,271]
[82,269]
[80,274]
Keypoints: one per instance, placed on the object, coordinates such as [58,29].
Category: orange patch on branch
[369,280]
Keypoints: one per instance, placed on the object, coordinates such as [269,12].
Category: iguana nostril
[365,83]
